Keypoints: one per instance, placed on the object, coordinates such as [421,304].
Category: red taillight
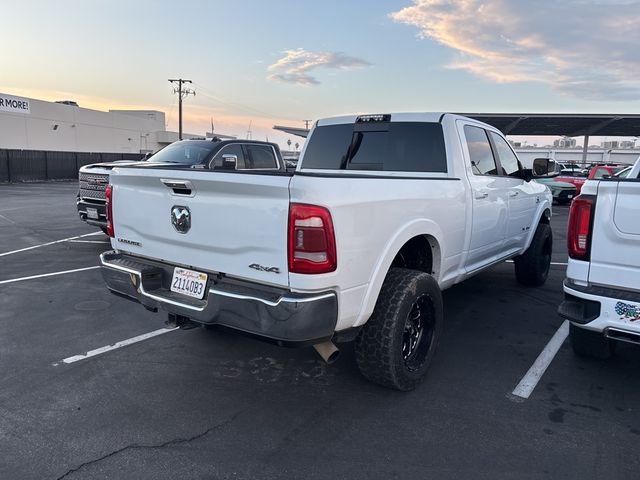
[579,229]
[312,243]
[108,193]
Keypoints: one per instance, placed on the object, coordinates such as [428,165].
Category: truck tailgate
[238,222]
[615,250]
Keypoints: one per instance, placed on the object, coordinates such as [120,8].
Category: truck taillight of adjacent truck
[580,227]
[108,192]
[312,242]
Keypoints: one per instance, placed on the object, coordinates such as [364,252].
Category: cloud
[295,66]
[586,49]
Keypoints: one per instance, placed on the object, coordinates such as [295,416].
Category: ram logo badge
[260,268]
[181,218]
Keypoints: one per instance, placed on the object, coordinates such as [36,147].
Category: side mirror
[544,167]
[229,162]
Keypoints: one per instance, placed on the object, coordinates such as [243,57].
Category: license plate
[92,213]
[188,282]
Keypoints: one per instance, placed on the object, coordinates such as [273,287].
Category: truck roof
[431,117]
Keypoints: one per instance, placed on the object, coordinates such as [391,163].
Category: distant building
[565,142]
[610,144]
[30,124]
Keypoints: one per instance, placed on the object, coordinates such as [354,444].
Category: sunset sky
[285,61]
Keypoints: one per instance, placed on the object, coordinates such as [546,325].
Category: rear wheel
[396,346]
[588,343]
[532,267]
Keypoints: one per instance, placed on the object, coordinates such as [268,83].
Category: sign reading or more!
[9,103]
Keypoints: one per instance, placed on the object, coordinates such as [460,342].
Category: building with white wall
[31,124]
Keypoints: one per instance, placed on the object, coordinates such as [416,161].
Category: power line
[181,94]
[210,95]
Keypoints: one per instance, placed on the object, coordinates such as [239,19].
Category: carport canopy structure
[570,125]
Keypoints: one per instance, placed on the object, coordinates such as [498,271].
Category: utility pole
[181,94]
[306,123]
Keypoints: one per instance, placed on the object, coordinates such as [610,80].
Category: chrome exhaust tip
[328,351]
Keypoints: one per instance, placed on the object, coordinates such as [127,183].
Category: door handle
[186,184]
[481,195]
[513,193]
[178,187]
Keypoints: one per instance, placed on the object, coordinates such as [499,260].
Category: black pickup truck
[209,153]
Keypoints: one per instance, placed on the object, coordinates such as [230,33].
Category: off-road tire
[379,345]
[532,267]
[587,343]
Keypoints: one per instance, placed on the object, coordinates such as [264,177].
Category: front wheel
[397,344]
[532,267]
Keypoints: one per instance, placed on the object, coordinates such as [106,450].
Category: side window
[508,159]
[260,157]
[600,173]
[233,149]
[480,153]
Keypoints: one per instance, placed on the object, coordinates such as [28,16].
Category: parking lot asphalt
[209,404]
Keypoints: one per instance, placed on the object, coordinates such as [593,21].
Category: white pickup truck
[602,288]
[382,213]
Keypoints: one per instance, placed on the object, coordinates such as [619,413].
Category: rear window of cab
[390,146]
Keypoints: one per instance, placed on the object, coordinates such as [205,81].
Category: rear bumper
[274,314]
[601,308]
[98,206]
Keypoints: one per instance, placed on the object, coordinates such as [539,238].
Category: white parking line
[87,241]
[53,274]
[49,243]
[8,219]
[115,346]
[535,373]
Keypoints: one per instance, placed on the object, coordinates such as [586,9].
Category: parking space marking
[53,274]
[8,219]
[535,373]
[89,241]
[49,243]
[115,346]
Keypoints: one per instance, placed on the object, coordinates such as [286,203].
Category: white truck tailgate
[238,222]
[615,249]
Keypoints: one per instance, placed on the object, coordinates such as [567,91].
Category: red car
[597,172]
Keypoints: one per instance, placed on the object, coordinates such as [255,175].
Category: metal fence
[39,165]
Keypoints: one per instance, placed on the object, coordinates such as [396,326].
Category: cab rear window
[391,146]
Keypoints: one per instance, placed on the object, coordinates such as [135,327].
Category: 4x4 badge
[260,268]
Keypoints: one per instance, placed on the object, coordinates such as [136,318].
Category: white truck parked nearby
[602,288]
[382,213]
